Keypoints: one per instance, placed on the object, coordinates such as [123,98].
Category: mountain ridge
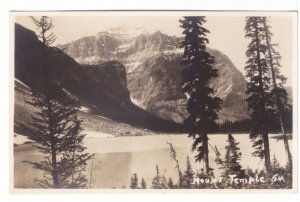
[152,62]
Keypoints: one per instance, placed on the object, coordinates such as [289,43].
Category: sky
[226,31]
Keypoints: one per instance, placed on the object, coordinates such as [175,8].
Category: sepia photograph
[157,101]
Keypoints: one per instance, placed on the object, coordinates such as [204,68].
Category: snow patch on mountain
[137,102]
[175,51]
[132,66]
[127,32]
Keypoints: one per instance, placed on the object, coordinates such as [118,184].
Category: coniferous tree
[279,92]
[258,89]
[156,180]
[134,183]
[242,126]
[232,156]
[202,106]
[188,176]
[275,164]
[55,125]
[143,184]
[74,158]
[159,181]
[231,163]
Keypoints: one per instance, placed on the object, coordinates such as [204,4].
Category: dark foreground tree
[259,98]
[278,91]
[55,125]
[202,106]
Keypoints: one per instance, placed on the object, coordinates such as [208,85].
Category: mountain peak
[152,62]
[126,31]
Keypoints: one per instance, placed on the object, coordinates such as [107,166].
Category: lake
[117,158]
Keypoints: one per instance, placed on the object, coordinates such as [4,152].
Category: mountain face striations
[152,62]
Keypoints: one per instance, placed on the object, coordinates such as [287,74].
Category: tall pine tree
[202,106]
[259,98]
[55,125]
[278,91]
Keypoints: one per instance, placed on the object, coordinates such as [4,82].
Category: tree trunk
[267,153]
[53,147]
[53,143]
[277,97]
[54,161]
[54,169]
[263,103]
[206,160]
[286,143]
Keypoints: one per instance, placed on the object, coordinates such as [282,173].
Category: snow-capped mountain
[152,62]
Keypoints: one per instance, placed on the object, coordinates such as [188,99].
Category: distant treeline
[244,126]
[241,126]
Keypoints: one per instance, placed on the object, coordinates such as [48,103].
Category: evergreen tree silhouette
[202,105]
[55,125]
[259,98]
[232,156]
[143,184]
[231,163]
[278,91]
[134,183]
[188,176]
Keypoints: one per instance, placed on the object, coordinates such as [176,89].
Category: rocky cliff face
[110,75]
[152,62]
[95,49]
[101,89]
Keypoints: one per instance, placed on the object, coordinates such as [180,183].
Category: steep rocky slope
[101,89]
